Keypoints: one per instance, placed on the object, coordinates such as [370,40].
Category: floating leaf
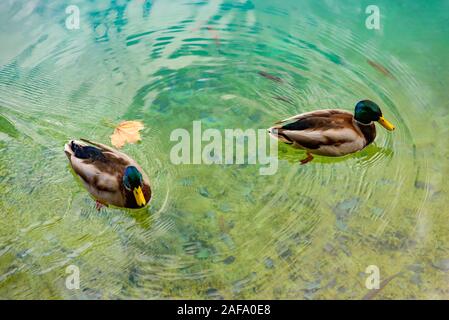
[126,132]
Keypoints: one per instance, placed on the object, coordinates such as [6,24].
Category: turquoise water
[224,231]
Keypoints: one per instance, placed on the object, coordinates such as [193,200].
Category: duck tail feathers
[81,151]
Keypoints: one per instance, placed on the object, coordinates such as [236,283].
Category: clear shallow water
[224,231]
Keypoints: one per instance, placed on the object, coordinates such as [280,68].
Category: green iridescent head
[366,111]
[133,182]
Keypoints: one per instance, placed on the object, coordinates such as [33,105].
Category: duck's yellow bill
[140,198]
[386,124]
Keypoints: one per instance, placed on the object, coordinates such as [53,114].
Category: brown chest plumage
[368,131]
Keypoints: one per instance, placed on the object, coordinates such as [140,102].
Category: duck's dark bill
[140,198]
[386,124]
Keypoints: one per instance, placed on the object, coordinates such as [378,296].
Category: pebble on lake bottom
[442,264]
[213,293]
[229,260]
[203,191]
[269,263]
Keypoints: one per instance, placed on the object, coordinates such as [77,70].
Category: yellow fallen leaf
[126,132]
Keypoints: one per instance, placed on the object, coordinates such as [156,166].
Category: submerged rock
[423,185]
[341,289]
[92,294]
[213,293]
[211,215]
[285,253]
[341,225]
[308,295]
[255,116]
[343,211]
[203,191]
[229,260]
[239,285]
[415,267]
[442,264]
[416,279]
[313,285]
[342,241]
[186,182]
[377,212]
[300,240]
[332,283]
[394,241]
[269,263]
[226,238]
[225,207]
[328,248]
[311,288]
[133,276]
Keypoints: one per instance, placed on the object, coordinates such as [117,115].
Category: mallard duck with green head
[331,132]
[110,176]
